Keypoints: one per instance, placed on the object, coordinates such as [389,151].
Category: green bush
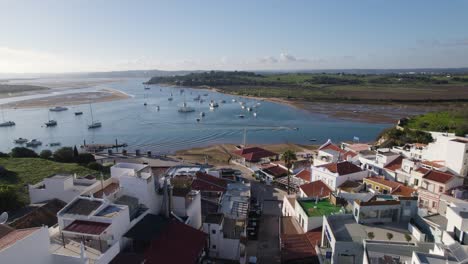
[9,199]
[95,166]
[4,155]
[45,154]
[85,158]
[64,154]
[22,152]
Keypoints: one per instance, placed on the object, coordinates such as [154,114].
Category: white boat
[249,109]
[21,140]
[214,104]
[234,100]
[94,124]
[33,143]
[6,123]
[243,106]
[58,109]
[157,107]
[255,114]
[241,103]
[51,123]
[185,108]
[212,108]
[202,114]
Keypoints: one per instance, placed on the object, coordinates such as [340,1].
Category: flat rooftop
[323,207]
[437,219]
[345,228]
[82,207]
[134,166]
[379,252]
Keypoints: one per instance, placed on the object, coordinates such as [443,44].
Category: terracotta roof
[438,176]
[5,229]
[358,147]
[434,163]
[422,170]
[254,154]
[350,184]
[276,171]
[300,247]
[208,183]
[316,188]
[16,235]
[177,243]
[342,168]
[403,191]
[394,164]
[87,227]
[305,175]
[330,146]
[350,154]
[382,181]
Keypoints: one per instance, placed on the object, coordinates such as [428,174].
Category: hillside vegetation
[331,87]
[455,121]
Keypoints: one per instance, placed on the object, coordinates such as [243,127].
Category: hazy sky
[100,35]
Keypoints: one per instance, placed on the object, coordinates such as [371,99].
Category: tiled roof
[349,154]
[342,168]
[300,247]
[330,146]
[5,229]
[434,164]
[394,164]
[208,183]
[16,235]
[87,227]
[316,188]
[304,174]
[382,181]
[438,176]
[254,154]
[422,170]
[357,147]
[276,171]
[350,184]
[177,243]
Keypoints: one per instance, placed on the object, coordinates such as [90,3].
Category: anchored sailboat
[94,124]
[6,123]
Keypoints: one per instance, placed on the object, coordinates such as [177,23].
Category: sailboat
[50,122]
[185,108]
[6,123]
[94,124]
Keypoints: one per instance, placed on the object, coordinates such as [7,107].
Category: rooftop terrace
[323,207]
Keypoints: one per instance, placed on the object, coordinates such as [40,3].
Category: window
[377,187]
[416,182]
[355,212]
[441,189]
[434,204]
[213,231]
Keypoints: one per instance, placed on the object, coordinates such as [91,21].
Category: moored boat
[33,143]
[21,140]
[51,123]
[58,109]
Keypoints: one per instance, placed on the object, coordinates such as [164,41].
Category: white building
[336,173]
[64,187]
[25,245]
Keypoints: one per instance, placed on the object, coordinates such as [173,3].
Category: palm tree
[289,157]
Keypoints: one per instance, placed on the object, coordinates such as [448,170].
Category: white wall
[333,180]
[32,249]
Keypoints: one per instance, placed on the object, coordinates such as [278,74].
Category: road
[267,248]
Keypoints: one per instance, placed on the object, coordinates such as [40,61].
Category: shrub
[85,158]
[9,199]
[64,154]
[4,155]
[95,166]
[45,154]
[22,152]
[408,237]
[370,235]
[389,236]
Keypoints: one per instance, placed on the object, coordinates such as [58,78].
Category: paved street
[267,248]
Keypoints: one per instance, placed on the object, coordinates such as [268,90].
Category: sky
[52,36]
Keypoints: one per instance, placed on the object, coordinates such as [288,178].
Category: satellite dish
[3,218]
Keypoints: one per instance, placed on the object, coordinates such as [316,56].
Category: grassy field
[332,87]
[22,171]
[445,121]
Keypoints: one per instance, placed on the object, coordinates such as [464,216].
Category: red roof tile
[300,247]
[305,175]
[16,235]
[329,145]
[394,164]
[433,164]
[438,176]
[342,168]
[276,171]
[383,181]
[316,188]
[177,243]
[208,183]
[87,227]
[254,154]
[350,154]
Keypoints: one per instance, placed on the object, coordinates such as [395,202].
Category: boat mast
[245,138]
[91,111]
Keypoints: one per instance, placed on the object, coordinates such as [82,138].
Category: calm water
[168,130]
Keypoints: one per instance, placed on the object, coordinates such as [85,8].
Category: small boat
[202,114]
[197,98]
[234,100]
[78,113]
[295,128]
[212,108]
[51,123]
[157,107]
[94,125]
[205,94]
[255,114]
[145,104]
[240,116]
[243,106]
[249,109]
[313,139]
[214,104]
[160,89]
[33,143]
[198,119]
[201,101]
[241,103]
[170,99]
[20,140]
[7,124]
[223,101]
[147,87]
[54,144]
[58,109]
[186,109]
